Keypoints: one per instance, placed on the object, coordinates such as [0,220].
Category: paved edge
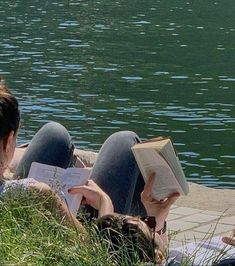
[209,199]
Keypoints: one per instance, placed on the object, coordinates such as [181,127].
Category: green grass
[33,233]
[30,234]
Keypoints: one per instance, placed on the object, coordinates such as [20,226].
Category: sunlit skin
[94,196]
[7,148]
[230,240]
[158,208]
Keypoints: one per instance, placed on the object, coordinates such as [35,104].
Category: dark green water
[162,67]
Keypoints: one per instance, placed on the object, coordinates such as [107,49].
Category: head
[132,233]
[9,124]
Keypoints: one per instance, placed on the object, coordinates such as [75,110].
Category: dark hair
[128,231]
[9,111]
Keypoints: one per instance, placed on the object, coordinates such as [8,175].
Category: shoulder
[25,183]
[40,186]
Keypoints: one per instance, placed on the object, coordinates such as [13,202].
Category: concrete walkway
[204,213]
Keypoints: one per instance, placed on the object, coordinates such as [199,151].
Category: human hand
[94,196]
[229,240]
[159,209]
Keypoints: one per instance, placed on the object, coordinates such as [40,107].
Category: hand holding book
[158,208]
[159,156]
[94,196]
[60,180]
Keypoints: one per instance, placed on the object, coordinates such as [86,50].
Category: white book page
[74,177]
[48,174]
[206,252]
[171,157]
[60,180]
[165,182]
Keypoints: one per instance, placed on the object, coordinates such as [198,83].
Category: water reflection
[156,67]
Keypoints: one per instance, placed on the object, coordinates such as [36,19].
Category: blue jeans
[115,169]
[51,145]
[117,173]
[226,262]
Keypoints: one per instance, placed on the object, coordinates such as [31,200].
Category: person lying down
[142,236]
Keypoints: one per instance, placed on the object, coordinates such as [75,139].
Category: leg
[116,170]
[51,145]
[137,207]
[226,262]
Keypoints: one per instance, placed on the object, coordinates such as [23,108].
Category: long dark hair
[123,230]
[9,111]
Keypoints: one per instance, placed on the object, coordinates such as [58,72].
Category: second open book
[159,156]
[60,180]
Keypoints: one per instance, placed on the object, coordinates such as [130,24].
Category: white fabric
[25,183]
[205,252]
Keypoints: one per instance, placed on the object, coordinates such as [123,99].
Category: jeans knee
[126,136]
[53,132]
[54,129]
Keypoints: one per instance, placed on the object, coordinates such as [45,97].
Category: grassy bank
[32,235]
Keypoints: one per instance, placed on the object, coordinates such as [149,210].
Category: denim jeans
[115,169]
[226,262]
[117,173]
[51,145]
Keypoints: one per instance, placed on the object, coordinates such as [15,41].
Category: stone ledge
[209,199]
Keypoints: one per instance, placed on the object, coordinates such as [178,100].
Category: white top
[25,183]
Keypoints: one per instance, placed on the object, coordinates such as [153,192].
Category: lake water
[157,67]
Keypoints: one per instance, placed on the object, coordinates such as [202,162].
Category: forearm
[161,226]
[94,196]
[56,206]
[161,230]
[159,217]
[164,238]
[162,243]
[68,217]
[106,206]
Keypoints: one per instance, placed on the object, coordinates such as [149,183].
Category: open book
[60,180]
[159,156]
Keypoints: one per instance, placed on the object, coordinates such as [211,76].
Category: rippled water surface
[156,67]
